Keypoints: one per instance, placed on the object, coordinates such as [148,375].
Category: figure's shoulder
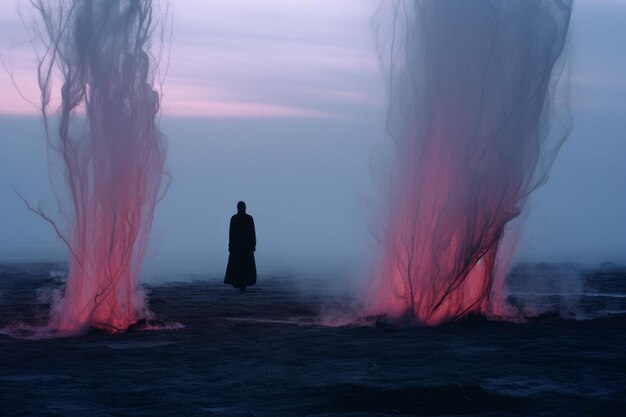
[249,217]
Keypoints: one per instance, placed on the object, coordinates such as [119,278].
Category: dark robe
[241,269]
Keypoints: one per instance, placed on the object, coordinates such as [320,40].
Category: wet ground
[262,353]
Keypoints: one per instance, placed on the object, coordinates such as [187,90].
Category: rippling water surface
[264,353]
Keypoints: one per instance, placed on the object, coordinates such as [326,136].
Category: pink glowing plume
[112,151]
[470,84]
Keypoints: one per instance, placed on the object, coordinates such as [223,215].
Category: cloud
[265,58]
[237,109]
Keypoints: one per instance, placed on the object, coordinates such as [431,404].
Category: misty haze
[438,193]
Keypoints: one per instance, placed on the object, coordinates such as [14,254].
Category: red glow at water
[469,86]
[111,150]
[440,250]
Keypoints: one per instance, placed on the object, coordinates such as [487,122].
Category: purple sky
[305,58]
[294,90]
[239,59]
[276,58]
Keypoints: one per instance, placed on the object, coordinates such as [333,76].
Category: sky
[282,104]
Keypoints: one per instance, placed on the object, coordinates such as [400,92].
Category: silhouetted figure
[241,269]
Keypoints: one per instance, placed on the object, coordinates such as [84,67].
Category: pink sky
[310,58]
[304,58]
[299,60]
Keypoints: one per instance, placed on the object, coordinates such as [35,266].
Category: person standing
[241,268]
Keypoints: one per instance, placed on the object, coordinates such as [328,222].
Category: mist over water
[111,151]
[280,104]
[307,180]
[576,216]
[471,89]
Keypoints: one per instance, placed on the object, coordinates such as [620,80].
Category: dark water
[262,354]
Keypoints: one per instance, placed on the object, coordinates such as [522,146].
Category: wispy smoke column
[111,148]
[470,86]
